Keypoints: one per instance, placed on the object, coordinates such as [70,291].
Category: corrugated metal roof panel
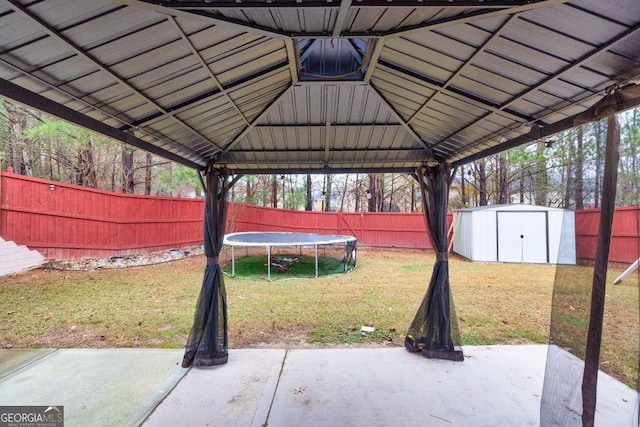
[191,81]
[322,19]
[204,35]
[525,55]
[157,65]
[610,63]
[406,94]
[131,46]
[494,95]
[369,19]
[588,27]
[341,104]
[529,34]
[434,43]
[412,58]
[507,70]
[315,138]
[289,19]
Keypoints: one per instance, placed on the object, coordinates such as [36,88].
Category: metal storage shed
[515,233]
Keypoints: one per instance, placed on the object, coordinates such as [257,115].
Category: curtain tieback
[212,260]
[442,256]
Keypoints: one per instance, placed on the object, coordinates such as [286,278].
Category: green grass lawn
[153,306]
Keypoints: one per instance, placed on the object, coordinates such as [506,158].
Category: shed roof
[522,207]
[293,85]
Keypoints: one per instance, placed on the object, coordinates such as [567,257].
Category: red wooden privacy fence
[67,221]
[625,236]
[399,230]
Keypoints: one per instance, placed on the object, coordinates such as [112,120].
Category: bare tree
[599,129]
[328,187]
[17,124]
[127,170]
[85,169]
[541,175]
[274,190]
[463,189]
[482,179]
[578,193]
[309,199]
[567,172]
[147,174]
[372,193]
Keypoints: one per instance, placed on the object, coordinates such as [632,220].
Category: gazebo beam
[41,103]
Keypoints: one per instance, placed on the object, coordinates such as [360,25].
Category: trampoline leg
[316,261]
[233,261]
[345,257]
[355,255]
[269,263]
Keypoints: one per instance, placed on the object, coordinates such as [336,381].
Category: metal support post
[233,261]
[269,263]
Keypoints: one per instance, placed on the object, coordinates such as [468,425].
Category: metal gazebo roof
[319,85]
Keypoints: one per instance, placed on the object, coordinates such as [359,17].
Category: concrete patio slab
[236,394]
[494,386]
[15,359]
[97,387]
[615,402]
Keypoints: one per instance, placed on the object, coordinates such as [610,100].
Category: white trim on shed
[515,233]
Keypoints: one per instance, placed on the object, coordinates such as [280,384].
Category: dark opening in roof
[332,59]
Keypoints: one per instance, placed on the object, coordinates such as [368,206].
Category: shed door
[522,237]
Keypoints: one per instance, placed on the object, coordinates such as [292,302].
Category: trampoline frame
[322,240]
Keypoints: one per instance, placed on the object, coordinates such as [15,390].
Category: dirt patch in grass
[153,306]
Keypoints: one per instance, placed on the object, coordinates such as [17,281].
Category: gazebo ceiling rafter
[443,88]
[563,71]
[472,16]
[341,19]
[256,121]
[42,103]
[165,8]
[102,67]
[292,61]
[464,66]
[539,132]
[479,10]
[324,4]
[205,67]
[373,60]
[201,98]
[400,120]
[10,91]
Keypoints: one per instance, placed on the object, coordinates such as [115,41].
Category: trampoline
[270,240]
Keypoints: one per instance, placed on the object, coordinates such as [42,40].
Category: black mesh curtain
[434,330]
[578,313]
[207,342]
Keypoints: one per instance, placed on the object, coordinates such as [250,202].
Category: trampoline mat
[283,239]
